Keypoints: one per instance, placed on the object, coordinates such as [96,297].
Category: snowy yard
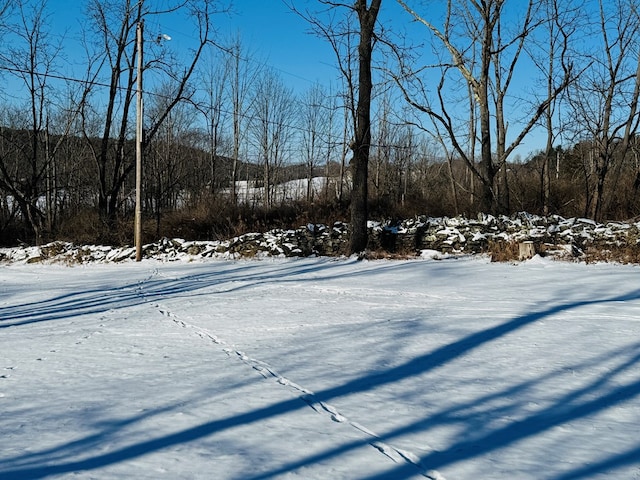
[320,369]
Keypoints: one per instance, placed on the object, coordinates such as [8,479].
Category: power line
[245,116]
[90,83]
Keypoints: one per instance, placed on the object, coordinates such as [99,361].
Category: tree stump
[526,250]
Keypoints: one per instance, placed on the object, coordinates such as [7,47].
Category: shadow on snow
[227,277]
[598,396]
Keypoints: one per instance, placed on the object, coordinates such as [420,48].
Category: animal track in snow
[267,371]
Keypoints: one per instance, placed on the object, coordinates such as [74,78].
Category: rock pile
[554,235]
[460,235]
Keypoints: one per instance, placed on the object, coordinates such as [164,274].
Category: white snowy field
[320,369]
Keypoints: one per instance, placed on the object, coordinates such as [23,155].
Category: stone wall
[486,234]
[459,235]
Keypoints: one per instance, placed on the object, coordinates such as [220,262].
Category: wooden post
[138,212]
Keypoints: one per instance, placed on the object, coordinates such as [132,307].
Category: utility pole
[139,139]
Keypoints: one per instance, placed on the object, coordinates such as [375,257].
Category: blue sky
[281,38]
[268,30]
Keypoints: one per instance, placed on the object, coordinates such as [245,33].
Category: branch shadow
[228,277]
[575,405]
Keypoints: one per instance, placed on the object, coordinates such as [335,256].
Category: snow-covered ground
[320,368]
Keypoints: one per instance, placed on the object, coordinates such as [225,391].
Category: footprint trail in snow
[398,455]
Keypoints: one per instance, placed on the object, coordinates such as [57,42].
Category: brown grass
[626,254]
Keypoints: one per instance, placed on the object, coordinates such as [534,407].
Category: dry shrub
[627,253]
[10,233]
[323,212]
[220,220]
[86,227]
[503,251]
[509,251]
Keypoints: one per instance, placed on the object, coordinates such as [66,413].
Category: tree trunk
[598,194]
[452,184]
[362,141]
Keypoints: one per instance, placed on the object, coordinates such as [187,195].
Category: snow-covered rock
[411,236]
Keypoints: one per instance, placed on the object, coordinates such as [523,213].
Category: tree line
[430,119]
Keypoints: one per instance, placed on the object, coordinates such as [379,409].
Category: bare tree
[551,56]
[115,53]
[315,116]
[166,165]
[339,34]
[214,84]
[273,113]
[31,59]
[482,52]
[333,143]
[243,74]
[367,16]
[383,134]
[393,150]
[348,111]
[605,98]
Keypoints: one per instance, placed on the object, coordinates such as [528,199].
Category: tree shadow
[227,277]
[589,400]
[598,396]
